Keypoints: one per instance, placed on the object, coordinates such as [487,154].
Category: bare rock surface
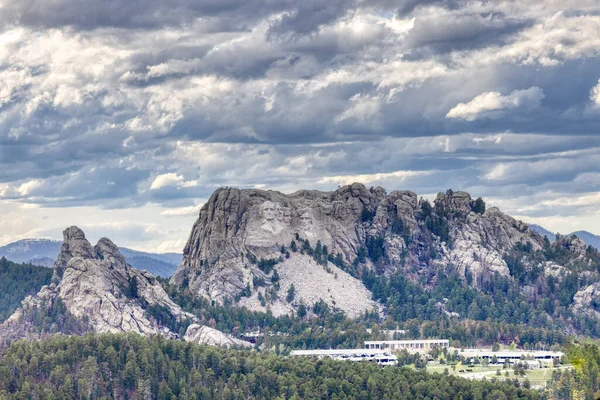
[96,284]
[313,282]
[587,301]
[201,334]
[235,223]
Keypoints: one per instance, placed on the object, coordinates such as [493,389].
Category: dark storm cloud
[145,14]
[308,15]
[408,6]
[118,103]
[300,17]
[444,32]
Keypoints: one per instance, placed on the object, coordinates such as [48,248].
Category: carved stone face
[267,210]
[306,220]
[278,212]
[287,216]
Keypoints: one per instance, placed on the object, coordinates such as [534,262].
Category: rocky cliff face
[212,337]
[237,227]
[97,286]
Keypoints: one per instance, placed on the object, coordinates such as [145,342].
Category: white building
[412,346]
[379,356]
[511,356]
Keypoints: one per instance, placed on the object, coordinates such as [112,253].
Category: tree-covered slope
[131,366]
[17,281]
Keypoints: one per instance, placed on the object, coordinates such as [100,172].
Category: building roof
[509,353]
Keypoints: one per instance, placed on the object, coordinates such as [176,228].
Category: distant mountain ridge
[543,231]
[44,252]
[588,237]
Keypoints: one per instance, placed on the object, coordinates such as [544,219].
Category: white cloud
[397,176]
[181,211]
[492,104]
[497,172]
[362,109]
[171,179]
[164,180]
[595,95]
[168,246]
[28,187]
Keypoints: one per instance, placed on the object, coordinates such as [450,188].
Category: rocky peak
[237,228]
[97,285]
[74,245]
[573,244]
[454,200]
[107,250]
[99,289]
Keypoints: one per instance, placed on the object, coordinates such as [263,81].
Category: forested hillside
[135,367]
[583,380]
[323,327]
[18,281]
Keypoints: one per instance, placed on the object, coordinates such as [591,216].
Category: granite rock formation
[96,285]
[206,335]
[236,227]
[312,283]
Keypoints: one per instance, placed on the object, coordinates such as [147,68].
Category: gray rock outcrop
[235,223]
[201,334]
[312,283]
[237,226]
[96,285]
[587,301]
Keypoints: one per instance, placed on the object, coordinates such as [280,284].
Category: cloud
[442,31]
[595,95]
[398,177]
[494,104]
[171,179]
[166,180]
[181,211]
[139,105]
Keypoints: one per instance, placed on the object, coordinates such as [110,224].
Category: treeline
[328,328]
[17,281]
[129,366]
[443,305]
[498,301]
[582,381]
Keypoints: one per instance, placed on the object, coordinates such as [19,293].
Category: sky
[123,116]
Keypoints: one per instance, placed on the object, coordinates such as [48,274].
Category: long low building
[381,357]
[412,346]
[510,355]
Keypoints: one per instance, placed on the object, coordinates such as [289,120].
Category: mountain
[23,251]
[158,264]
[96,290]
[543,231]
[361,250]
[588,238]
[44,252]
